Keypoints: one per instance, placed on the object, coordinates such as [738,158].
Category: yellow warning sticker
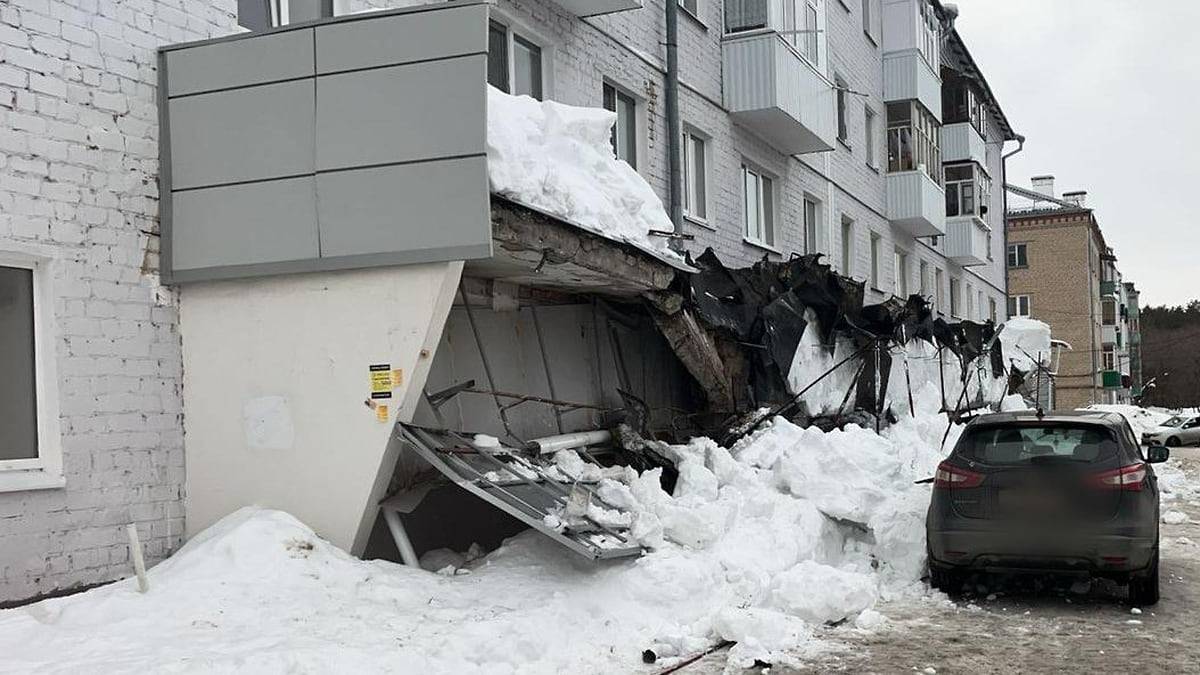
[397,377]
[381,413]
[381,380]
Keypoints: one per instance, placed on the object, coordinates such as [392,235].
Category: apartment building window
[876,242]
[695,176]
[913,139]
[970,303]
[1018,255]
[625,132]
[1108,312]
[29,442]
[961,104]
[847,246]
[868,18]
[900,283]
[992,309]
[758,198]
[1018,305]
[514,62]
[843,131]
[923,279]
[812,220]
[938,286]
[990,257]
[979,305]
[955,297]
[744,15]
[811,40]
[967,191]
[870,140]
[1110,358]
[692,6]
[929,30]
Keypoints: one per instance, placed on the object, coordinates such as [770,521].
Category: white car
[1179,430]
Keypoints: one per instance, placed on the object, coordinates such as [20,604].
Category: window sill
[700,222]
[845,144]
[35,479]
[693,18]
[874,167]
[759,244]
[871,39]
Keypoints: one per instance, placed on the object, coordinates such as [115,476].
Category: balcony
[916,203]
[582,8]
[772,91]
[961,142]
[1108,289]
[967,240]
[907,77]
[1108,334]
[1112,379]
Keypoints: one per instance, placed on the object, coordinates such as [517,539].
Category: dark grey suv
[1064,492]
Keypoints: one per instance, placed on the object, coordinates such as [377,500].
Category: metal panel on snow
[239,63]
[248,224]
[415,209]
[242,135]
[373,117]
[405,38]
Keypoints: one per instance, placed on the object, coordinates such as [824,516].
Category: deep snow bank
[558,158]
[761,544]
[1141,419]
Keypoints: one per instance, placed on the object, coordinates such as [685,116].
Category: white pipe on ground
[139,563]
[580,439]
[400,536]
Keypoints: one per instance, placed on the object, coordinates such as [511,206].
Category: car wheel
[1143,587]
[1173,442]
[947,581]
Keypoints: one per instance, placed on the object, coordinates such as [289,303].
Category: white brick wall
[78,172]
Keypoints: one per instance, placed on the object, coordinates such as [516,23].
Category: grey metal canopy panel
[352,142]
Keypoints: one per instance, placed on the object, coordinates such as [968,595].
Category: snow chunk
[1025,342]
[1175,518]
[559,159]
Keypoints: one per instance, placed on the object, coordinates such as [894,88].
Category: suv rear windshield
[1034,444]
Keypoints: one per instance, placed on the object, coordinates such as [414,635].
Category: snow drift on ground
[762,544]
[558,158]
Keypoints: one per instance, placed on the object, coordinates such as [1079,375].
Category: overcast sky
[1105,93]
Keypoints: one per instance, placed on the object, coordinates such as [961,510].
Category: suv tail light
[953,477]
[1130,478]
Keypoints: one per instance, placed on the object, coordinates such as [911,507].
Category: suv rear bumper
[1027,552]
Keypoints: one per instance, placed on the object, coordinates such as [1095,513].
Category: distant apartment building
[1061,271]
[859,129]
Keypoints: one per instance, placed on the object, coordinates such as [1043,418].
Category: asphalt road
[1028,626]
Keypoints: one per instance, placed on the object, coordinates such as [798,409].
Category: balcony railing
[597,7]
[771,90]
[962,143]
[967,240]
[916,203]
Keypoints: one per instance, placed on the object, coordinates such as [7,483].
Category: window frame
[843,110]
[923,134]
[870,120]
[939,295]
[1017,255]
[811,230]
[634,144]
[766,208]
[847,246]
[692,10]
[1014,308]
[46,470]
[868,21]
[955,297]
[691,136]
[513,33]
[875,280]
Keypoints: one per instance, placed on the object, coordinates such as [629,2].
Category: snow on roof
[558,159]
[1025,342]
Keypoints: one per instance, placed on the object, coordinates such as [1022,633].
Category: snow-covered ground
[763,545]
[1143,420]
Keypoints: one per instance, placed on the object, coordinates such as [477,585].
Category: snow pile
[1025,342]
[1142,420]
[559,159]
[762,544]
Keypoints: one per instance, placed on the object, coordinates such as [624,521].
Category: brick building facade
[78,218]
